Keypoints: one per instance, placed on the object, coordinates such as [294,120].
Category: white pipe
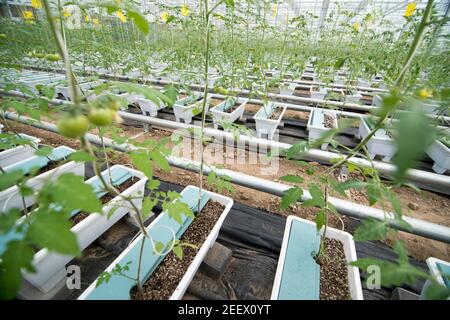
[418,227]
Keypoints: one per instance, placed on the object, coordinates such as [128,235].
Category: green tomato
[52,57]
[113,105]
[39,55]
[221,90]
[101,116]
[2,36]
[73,127]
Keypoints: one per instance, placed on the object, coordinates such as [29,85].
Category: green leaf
[436,291]
[292,178]
[44,151]
[290,196]
[17,257]
[142,162]
[160,160]
[10,178]
[373,193]
[340,62]
[371,229]
[139,20]
[147,206]
[70,191]
[295,149]
[414,135]
[159,247]
[8,219]
[153,184]
[51,230]
[178,251]
[81,156]
[176,209]
[321,218]
[392,274]
[349,184]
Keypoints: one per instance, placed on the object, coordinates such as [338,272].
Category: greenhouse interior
[225,150]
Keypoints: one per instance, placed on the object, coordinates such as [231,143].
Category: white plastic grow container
[148,107]
[440,154]
[50,266]
[380,143]
[353,98]
[377,100]
[354,280]
[316,125]
[310,76]
[320,94]
[19,153]
[437,268]
[288,89]
[363,83]
[220,115]
[263,124]
[111,293]
[11,197]
[184,108]
[81,88]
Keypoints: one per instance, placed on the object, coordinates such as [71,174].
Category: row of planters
[165,230]
[157,260]
[322,93]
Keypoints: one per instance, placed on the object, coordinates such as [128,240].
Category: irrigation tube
[425,180]
[418,227]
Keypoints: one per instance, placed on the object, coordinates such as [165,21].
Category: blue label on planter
[300,278]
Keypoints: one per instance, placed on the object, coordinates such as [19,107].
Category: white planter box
[363,83]
[377,100]
[319,95]
[220,115]
[380,143]
[440,154]
[352,98]
[437,269]
[354,280]
[19,153]
[263,124]
[288,89]
[11,197]
[111,293]
[81,88]
[50,266]
[316,126]
[311,75]
[184,110]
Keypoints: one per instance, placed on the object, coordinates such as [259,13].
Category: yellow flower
[164,16]
[410,8]
[121,16]
[66,13]
[37,4]
[424,93]
[95,21]
[356,26]
[28,15]
[86,18]
[184,11]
